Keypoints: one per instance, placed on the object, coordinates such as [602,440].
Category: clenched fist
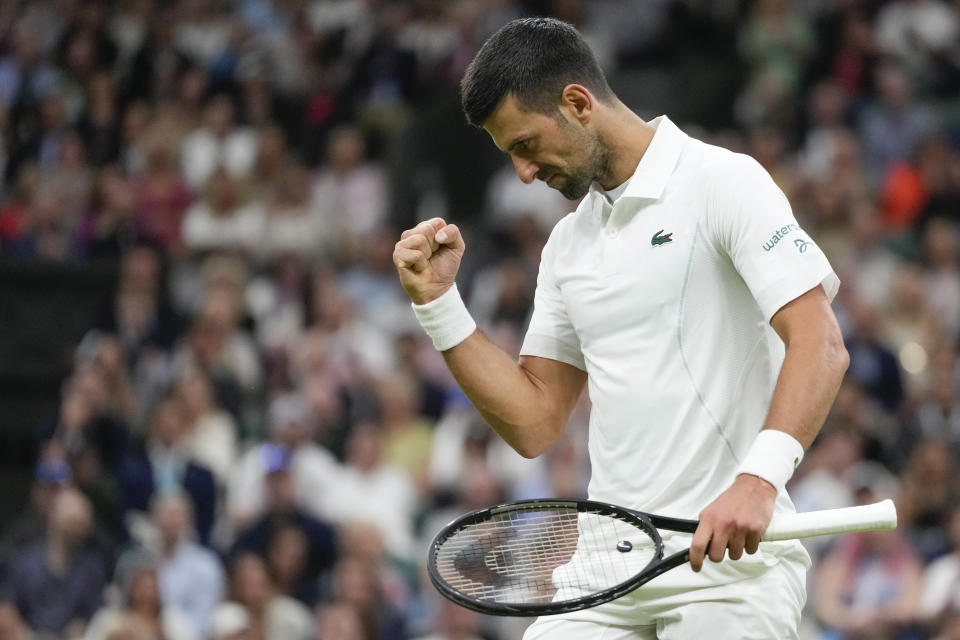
[427,258]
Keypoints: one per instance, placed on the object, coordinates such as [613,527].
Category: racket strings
[541,556]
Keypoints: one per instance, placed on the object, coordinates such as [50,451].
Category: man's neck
[626,137]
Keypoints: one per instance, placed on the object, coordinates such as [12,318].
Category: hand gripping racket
[541,557]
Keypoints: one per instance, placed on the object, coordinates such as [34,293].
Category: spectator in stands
[24,73]
[938,415]
[866,264]
[273,158]
[893,125]
[164,466]
[276,300]
[219,142]
[940,595]
[775,41]
[314,470]
[211,435]
[141,610]
[942,286]
[190,576]
[219,346]
[86,423]
[99,127]
[27,77]
[272,616]
[407,435]
[928,486]
[162,195]
[57,582]
[48,232]
[357,583]
[908,320]
[138,313]
[71,178]
[370,490]
[224,219]
[108,226]
[872,363]
[349,191]
[299,548]
[292,225]
[52,474]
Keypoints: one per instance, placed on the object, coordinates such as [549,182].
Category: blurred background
[218,417]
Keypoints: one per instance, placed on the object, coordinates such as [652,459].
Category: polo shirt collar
[657,164]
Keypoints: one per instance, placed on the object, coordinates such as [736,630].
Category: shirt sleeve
[551,334]
[754,225]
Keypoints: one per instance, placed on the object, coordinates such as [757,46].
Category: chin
[574,192]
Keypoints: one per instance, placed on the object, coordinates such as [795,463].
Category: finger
[752,543]
[698,546]
[735,546]
[450,236]
[419,242]
[410,259]
[427,227]
[718,545]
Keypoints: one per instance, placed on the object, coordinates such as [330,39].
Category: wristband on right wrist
[446,319]
[773,456]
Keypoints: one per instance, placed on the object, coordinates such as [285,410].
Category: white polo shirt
[664,299]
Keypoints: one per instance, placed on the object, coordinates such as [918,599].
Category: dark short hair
[533,59]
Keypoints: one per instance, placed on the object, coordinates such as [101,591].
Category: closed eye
[520,146]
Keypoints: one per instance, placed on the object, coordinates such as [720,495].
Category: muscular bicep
[559,383]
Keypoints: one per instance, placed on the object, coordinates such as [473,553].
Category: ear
[578,102]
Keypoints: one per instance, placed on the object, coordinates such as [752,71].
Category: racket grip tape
[880,516]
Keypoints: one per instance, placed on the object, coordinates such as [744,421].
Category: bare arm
[812,370]
[809,379]
[528,401]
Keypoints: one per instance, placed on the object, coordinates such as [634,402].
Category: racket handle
[880,516]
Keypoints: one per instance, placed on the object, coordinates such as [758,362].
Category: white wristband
[446,319]
[773,456]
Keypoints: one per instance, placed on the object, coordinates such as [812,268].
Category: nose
[525,169]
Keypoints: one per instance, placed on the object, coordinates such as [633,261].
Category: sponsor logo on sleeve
[801,244]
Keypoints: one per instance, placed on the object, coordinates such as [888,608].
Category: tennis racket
[542,557]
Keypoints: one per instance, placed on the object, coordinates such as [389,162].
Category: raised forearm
[526,402]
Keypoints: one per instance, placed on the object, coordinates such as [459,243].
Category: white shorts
[758,597]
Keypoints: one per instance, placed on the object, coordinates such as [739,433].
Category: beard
[575,183]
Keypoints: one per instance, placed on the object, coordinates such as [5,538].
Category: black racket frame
[648,522]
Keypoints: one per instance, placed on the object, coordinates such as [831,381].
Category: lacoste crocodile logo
[658,239]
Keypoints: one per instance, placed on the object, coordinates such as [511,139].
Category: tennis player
[685,294]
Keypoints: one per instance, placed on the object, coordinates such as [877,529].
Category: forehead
[510,123]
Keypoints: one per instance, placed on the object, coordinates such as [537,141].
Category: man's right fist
[427,258]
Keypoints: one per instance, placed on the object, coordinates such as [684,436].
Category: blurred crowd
[256,442]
